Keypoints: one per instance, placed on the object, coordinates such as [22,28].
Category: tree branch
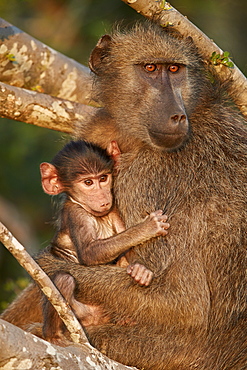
[28,63]
[48,288]
[163,13]
[22,350]
[42,110]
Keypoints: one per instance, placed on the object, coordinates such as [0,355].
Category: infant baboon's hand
[140,274]
[157,223]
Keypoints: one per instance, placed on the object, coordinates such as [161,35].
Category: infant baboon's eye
[103,178]
[88,182]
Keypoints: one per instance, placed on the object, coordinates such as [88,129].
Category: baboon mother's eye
[150,67]
[173,68]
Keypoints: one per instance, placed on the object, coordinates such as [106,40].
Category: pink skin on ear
[49,179]
[114,151]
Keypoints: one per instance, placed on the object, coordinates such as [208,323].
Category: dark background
[73,28]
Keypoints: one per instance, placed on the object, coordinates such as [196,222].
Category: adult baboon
[184,150]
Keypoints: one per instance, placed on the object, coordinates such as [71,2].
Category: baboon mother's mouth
[168,140]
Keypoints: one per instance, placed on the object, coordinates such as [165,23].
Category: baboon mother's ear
[99,52]
[49,179]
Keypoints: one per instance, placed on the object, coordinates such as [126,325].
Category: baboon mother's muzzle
[170,135]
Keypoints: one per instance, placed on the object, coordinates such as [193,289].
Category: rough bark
[28,63]
[41,109]
[22,350]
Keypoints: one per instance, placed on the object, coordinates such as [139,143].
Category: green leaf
[218,59]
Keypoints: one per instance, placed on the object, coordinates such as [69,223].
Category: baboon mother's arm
[116,292]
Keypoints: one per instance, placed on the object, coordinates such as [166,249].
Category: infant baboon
[90,230]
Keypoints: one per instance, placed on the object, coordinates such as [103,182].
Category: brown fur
[193,315]
[26,308]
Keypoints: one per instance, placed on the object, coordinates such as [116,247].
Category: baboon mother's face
[149,80]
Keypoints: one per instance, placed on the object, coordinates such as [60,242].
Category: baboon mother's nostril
[175,118]
[183,118]
[178,118]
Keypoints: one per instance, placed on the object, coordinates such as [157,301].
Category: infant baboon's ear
[114,151]
[49,179]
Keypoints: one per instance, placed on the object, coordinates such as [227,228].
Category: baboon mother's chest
[140,187]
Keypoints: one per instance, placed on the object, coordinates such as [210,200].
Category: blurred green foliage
[73,28]
[11,288]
